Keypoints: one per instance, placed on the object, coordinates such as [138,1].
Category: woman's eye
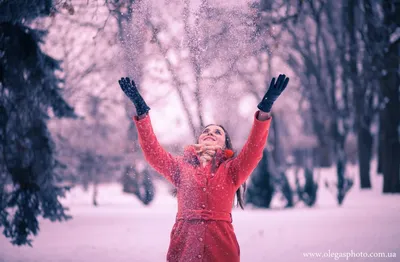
[218,132]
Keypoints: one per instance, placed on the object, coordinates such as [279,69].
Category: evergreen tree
[29,90]
[261,187]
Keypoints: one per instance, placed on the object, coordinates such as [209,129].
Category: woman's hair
[228,145]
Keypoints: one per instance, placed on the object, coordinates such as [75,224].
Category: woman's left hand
[274,91]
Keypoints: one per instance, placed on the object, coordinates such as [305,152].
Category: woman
[206,177]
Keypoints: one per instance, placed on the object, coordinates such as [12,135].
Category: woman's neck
[204,159]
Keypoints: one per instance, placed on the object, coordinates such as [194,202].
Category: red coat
[203,229]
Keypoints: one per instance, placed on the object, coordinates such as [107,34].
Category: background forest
[65,123]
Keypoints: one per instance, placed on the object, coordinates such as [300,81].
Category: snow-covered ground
[120,229]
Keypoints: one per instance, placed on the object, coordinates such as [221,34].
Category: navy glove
[275,89]
[129,88]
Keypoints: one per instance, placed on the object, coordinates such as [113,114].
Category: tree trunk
[277,153]
[323,155]
[391,122]
[343,183]
[95,192]
[390,83]
[261,188]
[308,192]
[380,145]
[390,141]
[286,190]
[340,171]
[362,119]
[364,145]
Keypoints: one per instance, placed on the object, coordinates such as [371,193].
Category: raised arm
[154,153]
[243,165]
[162,161]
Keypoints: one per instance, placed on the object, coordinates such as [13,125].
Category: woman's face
[213,135]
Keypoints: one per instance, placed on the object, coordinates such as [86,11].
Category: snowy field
[122,230]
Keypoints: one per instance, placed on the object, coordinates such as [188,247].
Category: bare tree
[130,16]
[87,49]
[315,56]
[389,47]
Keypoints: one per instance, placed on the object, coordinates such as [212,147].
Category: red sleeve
[162,161]
[241,167]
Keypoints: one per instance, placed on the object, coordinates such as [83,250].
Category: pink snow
[121,229]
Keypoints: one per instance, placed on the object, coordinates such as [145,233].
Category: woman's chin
[208,143]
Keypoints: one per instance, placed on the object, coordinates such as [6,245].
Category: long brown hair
[228,145]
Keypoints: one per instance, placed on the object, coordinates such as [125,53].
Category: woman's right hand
[130,90]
